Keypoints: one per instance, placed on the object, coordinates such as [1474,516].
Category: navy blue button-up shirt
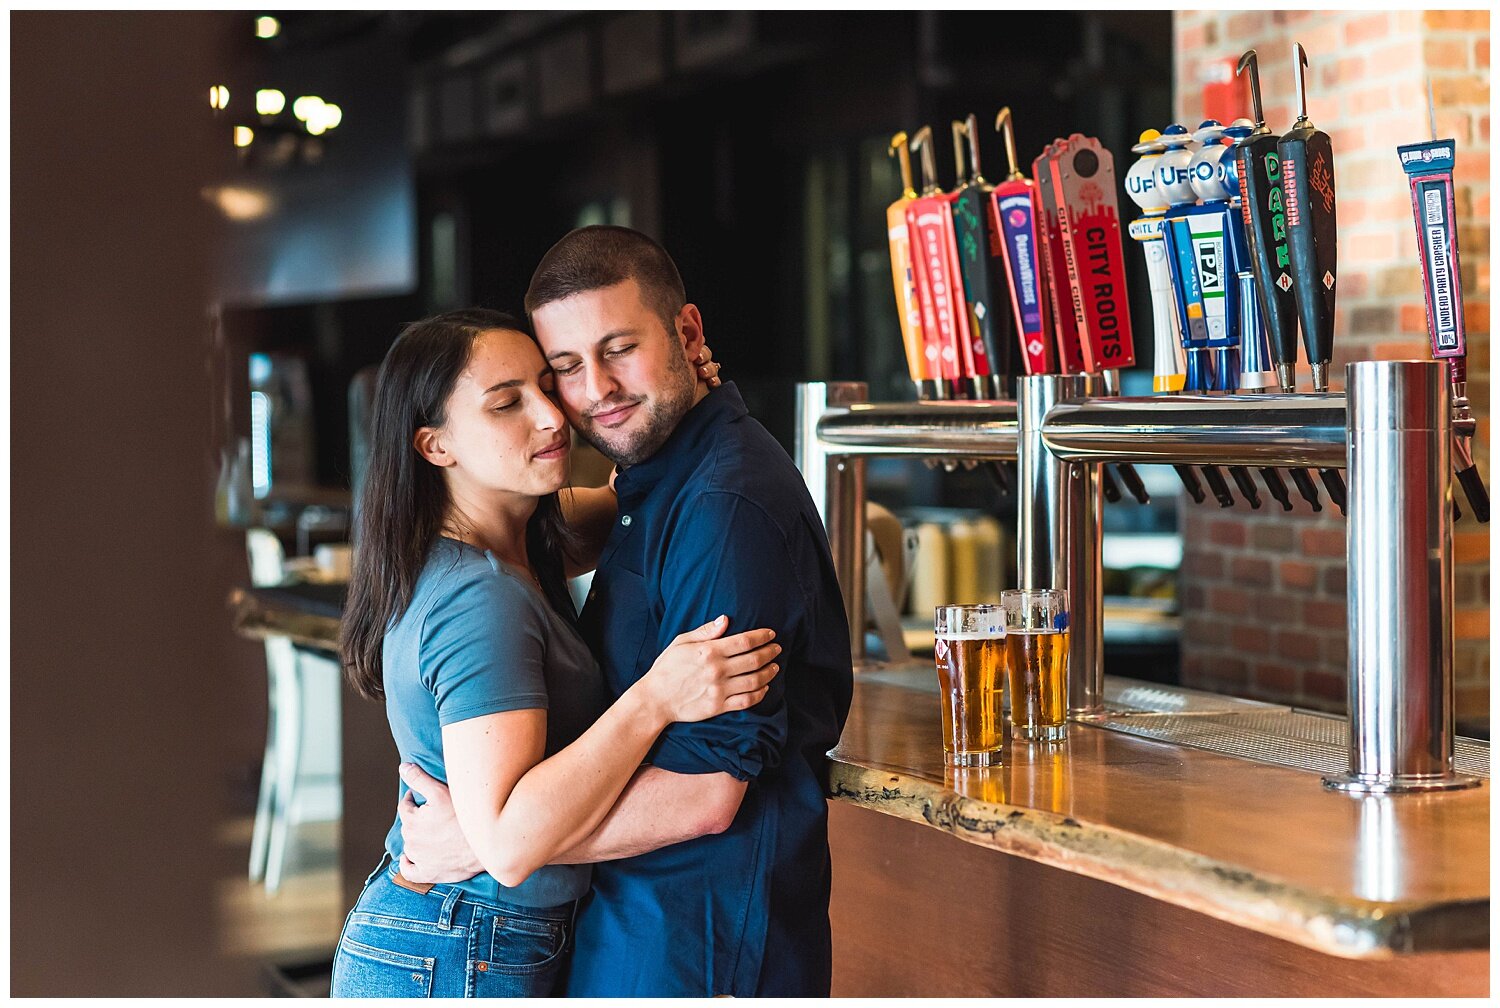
[720,521]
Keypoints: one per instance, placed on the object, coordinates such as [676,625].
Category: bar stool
[300,771]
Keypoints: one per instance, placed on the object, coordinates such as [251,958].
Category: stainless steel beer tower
[1400,586]
[1057,534]
[1393,433]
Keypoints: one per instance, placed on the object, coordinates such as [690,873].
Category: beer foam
[996,634]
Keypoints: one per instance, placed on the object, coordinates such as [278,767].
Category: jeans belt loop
[445,915]
[384,861]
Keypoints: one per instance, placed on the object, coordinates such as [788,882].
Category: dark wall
[119,634]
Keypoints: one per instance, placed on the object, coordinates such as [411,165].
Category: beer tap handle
[1307,488]
[1133,483]
[1472,484]
[1246,484]
[1190,482]
[1333,482]
[921,142]
[1217,486]
[1000,476]
[1277,486]
[1251,62]
[1111,488]
[1003,125]
[960,132]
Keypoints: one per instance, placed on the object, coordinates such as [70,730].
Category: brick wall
[1245,571]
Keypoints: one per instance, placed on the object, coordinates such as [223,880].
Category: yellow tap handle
[899,150]
[922,144]
[1003,125]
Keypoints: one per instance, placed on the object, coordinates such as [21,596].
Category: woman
[459,618]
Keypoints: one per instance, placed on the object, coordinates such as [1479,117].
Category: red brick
[1274,536]
[1355,284]
[1403,350]
[1325,615]
[1194,597]
[1247,25]
[1250,571]
[1399,281]
[1323,542]
[1456,124]
[1228,601]
[1471,547]
[1193,37]
[1477,316]
[1372,320]
[1447,53]
[1471,624]
[1457,20]
[1297,645]
[1298,574]
[1326,686]
[1484,134]
[1250,640]
[1473,240]
[1275,680]
[1271,607]
[1336,651]
[1414,319]
[1366,29]
[1208,566]
[1227,533]
[1461,89]
[1336,581]
[1482,54]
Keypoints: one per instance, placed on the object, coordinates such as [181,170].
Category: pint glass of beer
[968,648]
[1036,661]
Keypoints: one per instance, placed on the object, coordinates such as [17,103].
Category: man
[724,878]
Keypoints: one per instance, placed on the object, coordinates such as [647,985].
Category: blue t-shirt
[479,638]
[720,521]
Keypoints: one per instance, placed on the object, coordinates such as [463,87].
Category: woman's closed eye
[507,405]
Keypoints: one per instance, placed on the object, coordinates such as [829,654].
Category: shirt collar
[722,405]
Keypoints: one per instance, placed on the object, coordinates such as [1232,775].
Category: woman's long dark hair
[404,500]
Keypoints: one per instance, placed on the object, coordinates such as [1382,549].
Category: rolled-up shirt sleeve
[726,557]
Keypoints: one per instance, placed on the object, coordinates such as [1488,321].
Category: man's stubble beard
[663,413]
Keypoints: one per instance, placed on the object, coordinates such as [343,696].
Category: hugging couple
[627,801]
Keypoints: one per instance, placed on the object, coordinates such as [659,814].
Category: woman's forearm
[563,798]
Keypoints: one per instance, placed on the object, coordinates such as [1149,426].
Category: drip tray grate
[1277,735]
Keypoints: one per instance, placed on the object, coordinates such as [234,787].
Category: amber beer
[1037,662]
[971,677]
[969,652]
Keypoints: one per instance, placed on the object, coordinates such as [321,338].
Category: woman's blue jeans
[398,942]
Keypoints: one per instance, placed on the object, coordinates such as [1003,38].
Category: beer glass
[1036,661]
[967,647]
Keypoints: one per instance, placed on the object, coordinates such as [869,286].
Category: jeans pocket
[522,944]
[361,970]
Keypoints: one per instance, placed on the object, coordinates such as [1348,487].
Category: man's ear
[428,441]
[690,330]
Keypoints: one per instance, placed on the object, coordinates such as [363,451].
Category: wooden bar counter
[1118,865]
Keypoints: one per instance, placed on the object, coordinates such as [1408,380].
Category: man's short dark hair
[602,255]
